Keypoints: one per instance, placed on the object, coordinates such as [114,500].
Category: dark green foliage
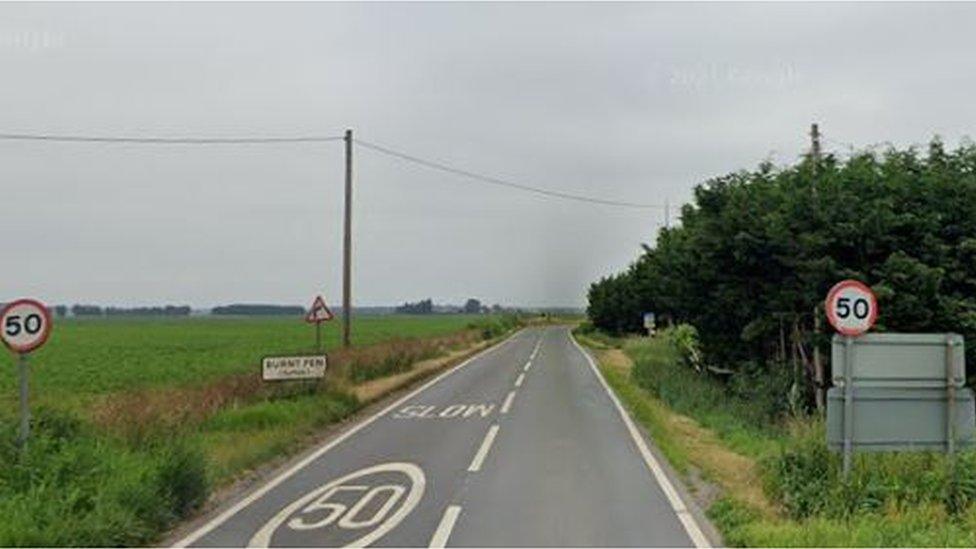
[757,252]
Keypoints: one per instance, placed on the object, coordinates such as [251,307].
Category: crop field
[89,357]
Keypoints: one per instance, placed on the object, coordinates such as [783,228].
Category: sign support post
[317,314]
[25,325]
[852,309]
[950,400]
[848,405]
[24,405]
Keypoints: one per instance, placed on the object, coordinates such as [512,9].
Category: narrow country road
[522,445]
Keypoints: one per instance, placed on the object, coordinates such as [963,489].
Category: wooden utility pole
[815,145]
[347,247]
[667,214]
[818,368]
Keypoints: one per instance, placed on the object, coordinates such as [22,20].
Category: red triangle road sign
[320,311]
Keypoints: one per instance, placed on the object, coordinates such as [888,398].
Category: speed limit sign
[24,325]
[852,308]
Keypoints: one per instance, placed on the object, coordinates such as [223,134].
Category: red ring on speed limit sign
[839,320]
[13,333]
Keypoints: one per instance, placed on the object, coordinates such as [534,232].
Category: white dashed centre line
[507,405]
[519,380]
[443,532]
[527,366]
[479,458]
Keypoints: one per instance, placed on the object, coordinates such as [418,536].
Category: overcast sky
[634,102]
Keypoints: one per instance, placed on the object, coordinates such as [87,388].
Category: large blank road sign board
[901,360]
[900,419]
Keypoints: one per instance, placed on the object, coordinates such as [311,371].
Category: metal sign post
[848,406]
[25,325]
[950,399]
[317,314]
[24,406]
[852,309]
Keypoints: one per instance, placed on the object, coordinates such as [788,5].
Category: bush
[69,487]
[806,478]
[494,326]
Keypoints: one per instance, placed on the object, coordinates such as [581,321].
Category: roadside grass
[239,438]
[123,468]
[779,484]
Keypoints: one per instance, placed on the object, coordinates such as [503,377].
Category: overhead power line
[169,140]
[501,182]
[157,140]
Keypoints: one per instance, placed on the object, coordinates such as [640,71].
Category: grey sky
[635,102]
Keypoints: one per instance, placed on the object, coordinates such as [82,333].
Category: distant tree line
[423,307]
[95,310]
[471,306]
[757,251]
[258,310]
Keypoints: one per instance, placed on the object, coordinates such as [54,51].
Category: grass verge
[772,482]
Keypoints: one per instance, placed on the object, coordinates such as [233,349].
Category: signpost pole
[24,408]
[848,405]
[318,336]
[950,398]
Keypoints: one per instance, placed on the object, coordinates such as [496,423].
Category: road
[521,445]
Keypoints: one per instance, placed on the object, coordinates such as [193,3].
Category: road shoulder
[614,367]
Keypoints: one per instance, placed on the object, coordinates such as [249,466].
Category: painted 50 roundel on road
[353,510]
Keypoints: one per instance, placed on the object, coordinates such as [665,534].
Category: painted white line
[527,366]
[479,458]
[536,350]
[271,484]
[443,532]
[519,380]
[507,405]
[687,520]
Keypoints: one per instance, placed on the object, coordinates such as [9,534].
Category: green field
[86,357]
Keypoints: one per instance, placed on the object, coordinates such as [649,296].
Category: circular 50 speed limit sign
[852,308]
[24,325]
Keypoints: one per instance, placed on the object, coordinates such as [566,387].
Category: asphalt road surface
[521,445]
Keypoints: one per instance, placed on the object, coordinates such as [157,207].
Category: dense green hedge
[757,251]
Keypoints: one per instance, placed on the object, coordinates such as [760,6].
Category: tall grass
[73,487]
[890,499]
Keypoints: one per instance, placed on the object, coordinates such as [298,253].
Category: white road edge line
[271,484]
[479,458]
[519,380]
[443,532]
[507,405]
[685,516]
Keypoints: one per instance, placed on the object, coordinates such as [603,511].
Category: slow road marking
[479,458]
[443,532]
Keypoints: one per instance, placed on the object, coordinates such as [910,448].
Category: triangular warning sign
[320,311]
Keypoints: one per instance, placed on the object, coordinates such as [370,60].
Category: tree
[757,251]
[472,306]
